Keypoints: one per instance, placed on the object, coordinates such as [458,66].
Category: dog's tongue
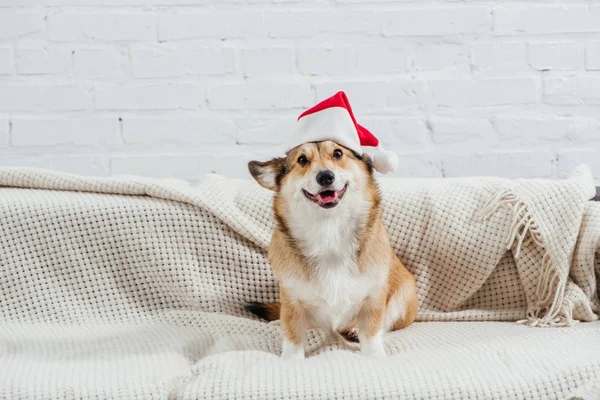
[328,196]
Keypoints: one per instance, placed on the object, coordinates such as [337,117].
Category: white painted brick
[424,165]
[214,24]
[15,24]
[458,130]
[547,129]
[534,19]
[100,62]
[47,60]
[4,131]
[208,61]
[185,166]
[376,95]
[374,59]
[436,21]
[150,97]
[592,56]
[152,62]
[569,159]
[182,130]
[439,57]
[502,56]
[6,62]
[36,97]
[554,56]
[572,90]
[120,27]
[90,165]
[312,23]
[398,133]
[484,92]
[260,95]
[275,131]
[268,61]
[80,131]
[508,164]
[330,61]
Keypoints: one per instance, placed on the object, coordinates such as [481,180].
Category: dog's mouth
[326,198]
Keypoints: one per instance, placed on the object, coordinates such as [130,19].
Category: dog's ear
[269,173]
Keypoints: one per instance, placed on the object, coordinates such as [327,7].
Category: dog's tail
[268,311]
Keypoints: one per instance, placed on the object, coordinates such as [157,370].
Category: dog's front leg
[293,327]
[370,326]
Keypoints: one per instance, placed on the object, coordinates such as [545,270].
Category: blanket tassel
[549,311]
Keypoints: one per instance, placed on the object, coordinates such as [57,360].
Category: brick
[120,27]
[4,131]
[36,97]
[52,131]
[572,90]
[79,164]
[275,131]
[268,61]
[16,24]
[398,132]
[207,61]
[178,129]
[190,166]
[311,23]
[553,56]
[424,165]
[215,25]
[150,97]
[503,56]
[459,130]
[100,62]
[569,159]
[6,61]
[376,95]
[347,60]
[592,56]
[47,60]
[508,164]
[380,59]
[529,131]
[153,62]
[436,22]
[260,95]
[439,57]
[543,19]
[484,92]
[325,61]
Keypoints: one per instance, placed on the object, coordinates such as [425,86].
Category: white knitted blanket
[139,295]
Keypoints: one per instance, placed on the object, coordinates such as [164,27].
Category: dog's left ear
[267,173]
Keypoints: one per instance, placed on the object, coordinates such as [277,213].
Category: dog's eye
[302,160]
[337,154]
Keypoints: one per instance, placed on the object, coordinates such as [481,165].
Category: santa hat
[332,119]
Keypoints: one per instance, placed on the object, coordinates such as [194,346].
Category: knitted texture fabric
[128,287]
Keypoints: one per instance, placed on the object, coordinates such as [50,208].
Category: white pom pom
[385,161]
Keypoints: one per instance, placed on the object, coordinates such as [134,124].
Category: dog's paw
[292,351]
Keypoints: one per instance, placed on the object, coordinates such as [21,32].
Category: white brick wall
[177,88]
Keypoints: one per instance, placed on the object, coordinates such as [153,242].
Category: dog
[330,251]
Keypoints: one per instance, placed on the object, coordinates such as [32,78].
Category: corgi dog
[330,251]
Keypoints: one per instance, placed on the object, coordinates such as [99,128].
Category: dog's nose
[325,178]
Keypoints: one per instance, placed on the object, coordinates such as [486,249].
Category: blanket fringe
[549,310]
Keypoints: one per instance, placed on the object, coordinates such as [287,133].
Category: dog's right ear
[268,173]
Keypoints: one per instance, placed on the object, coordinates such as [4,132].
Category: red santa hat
[333,119]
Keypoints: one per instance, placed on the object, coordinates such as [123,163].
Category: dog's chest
[333,297]
[336,288]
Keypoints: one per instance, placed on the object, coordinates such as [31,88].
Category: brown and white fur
[330,251]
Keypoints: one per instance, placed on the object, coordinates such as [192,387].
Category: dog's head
[318,174]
